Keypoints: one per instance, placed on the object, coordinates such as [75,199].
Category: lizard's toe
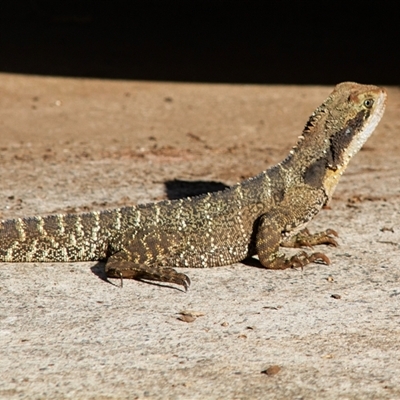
[163,274]
[172,276]
[306,239]
[302,259]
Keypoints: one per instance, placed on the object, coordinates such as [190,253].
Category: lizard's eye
[368,103]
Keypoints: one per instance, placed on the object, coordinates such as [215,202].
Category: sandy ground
[70,145]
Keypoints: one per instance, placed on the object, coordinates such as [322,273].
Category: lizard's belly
[211,257]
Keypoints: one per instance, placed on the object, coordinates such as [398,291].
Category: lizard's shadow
[252,262]
[179,189]
[99,271]
[175,189]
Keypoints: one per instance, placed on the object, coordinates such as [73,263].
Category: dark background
[203,41]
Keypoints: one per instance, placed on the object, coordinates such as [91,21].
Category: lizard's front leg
[268,240]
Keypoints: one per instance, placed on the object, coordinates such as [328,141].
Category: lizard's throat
[332,175]
[361,137]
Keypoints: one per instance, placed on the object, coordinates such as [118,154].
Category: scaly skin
[254,217]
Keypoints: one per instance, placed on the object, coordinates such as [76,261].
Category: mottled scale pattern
[221,220]
[205,231]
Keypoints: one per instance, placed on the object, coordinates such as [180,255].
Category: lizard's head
[337,130]
[358,110]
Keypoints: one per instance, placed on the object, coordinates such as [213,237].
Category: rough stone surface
[75,145]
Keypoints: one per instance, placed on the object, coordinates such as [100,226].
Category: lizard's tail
[59,238]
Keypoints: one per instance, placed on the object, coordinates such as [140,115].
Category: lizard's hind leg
[119,266]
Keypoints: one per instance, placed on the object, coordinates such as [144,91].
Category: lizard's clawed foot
[306,239]
[301,259]
[129,270]
[165,275]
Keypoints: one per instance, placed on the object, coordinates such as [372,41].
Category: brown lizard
[254,217]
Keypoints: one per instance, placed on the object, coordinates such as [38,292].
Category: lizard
[253,218]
